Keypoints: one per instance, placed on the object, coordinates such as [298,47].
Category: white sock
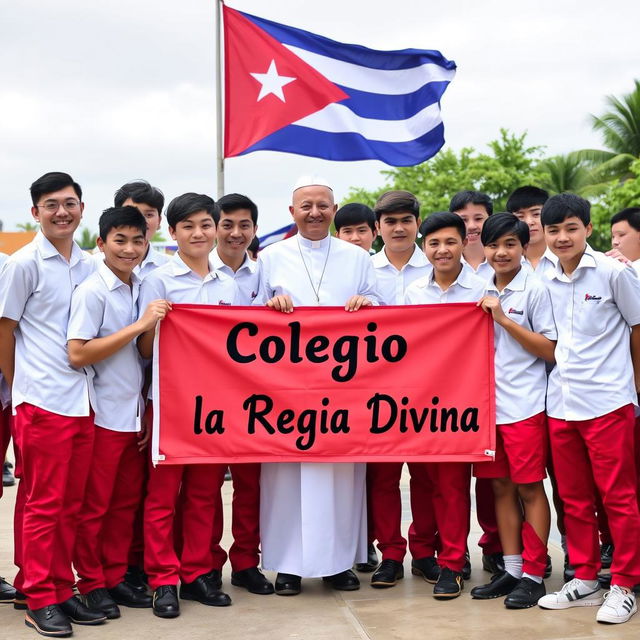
[591,584]
[537,579]
[513,565]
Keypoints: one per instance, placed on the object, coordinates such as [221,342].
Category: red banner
[249,384]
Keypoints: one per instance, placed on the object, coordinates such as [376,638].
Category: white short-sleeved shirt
[548,259]
[593,308]
[393,283]
[484,270]
[151,262]
[101,306]
[246,277]
[636,266]
[35,290]
[521,377]
[467,288]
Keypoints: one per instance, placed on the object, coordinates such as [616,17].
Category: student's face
[61,223]
[474,216]
[195,235]
[531,217]
[151,215]
[312,209]
[504,254]
[626,240]
[123,249]
[443,249]
[359,234]
[235,232]
[398,230]
[567,239]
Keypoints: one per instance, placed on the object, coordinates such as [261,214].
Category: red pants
[113,494]
[599,452]
[386,511]
[5,434]
[56,454]
[200,486]
[452,505]
[486,514]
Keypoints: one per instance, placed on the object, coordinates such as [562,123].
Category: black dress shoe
[165,602]
[449,585]
[79,614]
[215,577]
[7,477]
[20,601]
[466,567]
[100,600]
[493,562]
[525,595]
[204,589]
[548,569]
[371,563]
[7,592]
[136,578]
[606,555]
[49,621]
[387,574]
[501,585]
[343,581]
[125,595]
[428,568]
[288,584]
[253,580]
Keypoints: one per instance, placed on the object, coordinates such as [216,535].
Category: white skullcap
[311,181]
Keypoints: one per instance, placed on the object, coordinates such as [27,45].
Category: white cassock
[313,519]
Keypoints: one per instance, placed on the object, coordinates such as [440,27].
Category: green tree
[509,164]
[158,237]
[27,226]
[87,239]
[568,172]
[620,130]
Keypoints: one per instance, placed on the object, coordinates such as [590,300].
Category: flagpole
[219,103]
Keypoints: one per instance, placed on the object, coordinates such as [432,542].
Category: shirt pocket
[591,316]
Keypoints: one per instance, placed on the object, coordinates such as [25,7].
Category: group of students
[76,342]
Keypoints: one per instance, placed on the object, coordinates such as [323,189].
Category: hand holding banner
[247,384]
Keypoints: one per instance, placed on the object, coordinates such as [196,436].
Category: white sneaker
[574,593]
[618,606]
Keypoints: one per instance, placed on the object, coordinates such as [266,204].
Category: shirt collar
[47,250]
[111,279]
[464,279]
[517,284]
[217,263]
[152,257]
[417,259]
[466,264]
[180,268]
[587,260]
[313,244]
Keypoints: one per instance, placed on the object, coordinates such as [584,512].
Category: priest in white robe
[313,515]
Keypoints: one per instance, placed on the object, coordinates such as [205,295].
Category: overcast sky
[124,89]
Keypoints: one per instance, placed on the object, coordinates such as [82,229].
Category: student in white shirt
[150,201]
[236,218]
[399,263]
[526,204]
[590,404]
[312,268]
[53,427]
[525,335]
[356,223]
[103,327]
[189,277]
[625,237]
[443,241]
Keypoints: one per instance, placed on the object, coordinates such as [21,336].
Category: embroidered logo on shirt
[516,311]
[588,297]
[226,304]
[254,294]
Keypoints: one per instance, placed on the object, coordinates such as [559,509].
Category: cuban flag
[275,236]
[290,90]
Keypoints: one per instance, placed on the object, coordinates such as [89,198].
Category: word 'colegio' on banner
[248,384]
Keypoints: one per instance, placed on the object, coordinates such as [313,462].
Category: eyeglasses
[51,206]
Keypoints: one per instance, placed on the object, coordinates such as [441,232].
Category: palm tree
[27,226]
[87,239]
[620,129]
[569,173]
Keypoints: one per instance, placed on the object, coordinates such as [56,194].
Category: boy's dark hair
[442,220]
[565,205]
[502,224]
[50,182]
[254,247]
[141,192]
[463,198]
[525,197]
[183,206]
[232,202]
[116,217]
[397,202]
[630,215]
[354,213]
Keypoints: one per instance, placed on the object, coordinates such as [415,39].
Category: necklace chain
[316,292]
